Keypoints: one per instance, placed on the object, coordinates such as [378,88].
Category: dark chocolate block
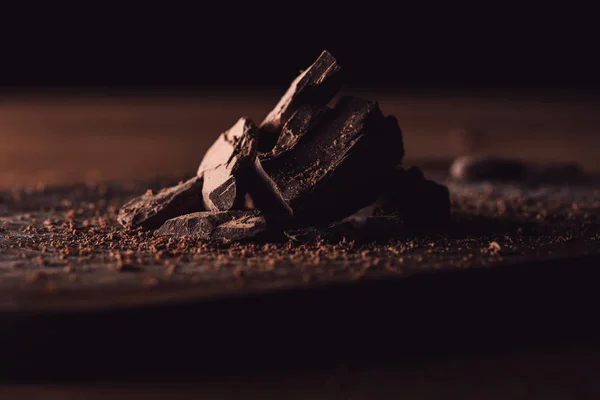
[338,161]
[216,225]
[316,87]
[225,165]
[151,210]
[265,193]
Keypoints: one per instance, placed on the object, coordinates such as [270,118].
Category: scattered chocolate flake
[494,248]
[150,210]
[216,225]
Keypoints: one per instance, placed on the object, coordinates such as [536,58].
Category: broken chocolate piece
[316,86]
[490,168]
[151,210]
[424,204]
[339,165]
[216,225]
[225,165]
[262,190]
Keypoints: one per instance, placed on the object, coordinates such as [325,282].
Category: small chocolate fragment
[225,165]
[338,165]
[151,210]
[216,225]
[487,168]
[316,86]
[424,204]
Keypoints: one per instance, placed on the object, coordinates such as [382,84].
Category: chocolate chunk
[337,163]
[316,86]
[298,125]
[225,165]
[216,225]
[264,192]
[490,168]
[151,210]
[423,204]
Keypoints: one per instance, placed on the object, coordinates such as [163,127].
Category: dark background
[226,46]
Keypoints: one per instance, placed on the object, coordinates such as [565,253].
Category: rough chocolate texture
[297,126]
[151,210]
[316,86]
[340,164]
[215,226]
[225,165]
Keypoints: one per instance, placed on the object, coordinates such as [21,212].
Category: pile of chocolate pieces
[308,171]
